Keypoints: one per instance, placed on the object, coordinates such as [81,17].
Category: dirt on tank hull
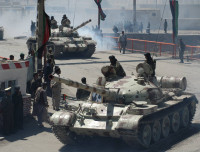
[66,42]
[128,108]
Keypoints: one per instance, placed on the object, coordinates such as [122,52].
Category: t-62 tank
[130,108]
[1,33]
[65,42]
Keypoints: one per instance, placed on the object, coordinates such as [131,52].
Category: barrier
[160,48]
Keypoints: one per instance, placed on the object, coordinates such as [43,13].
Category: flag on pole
[102,14]
[45,34]
[174,5]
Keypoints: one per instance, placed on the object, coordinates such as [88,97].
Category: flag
[102,14]
[45,34]
[174,5]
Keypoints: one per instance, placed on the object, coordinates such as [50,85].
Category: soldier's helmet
[21,54]
[52,17]
[64,16]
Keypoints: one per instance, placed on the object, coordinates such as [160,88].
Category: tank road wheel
[185,117]
[165,126]
[145,135]
[156,131]
[192,110]
[89,51]
[175,121]
[63,134]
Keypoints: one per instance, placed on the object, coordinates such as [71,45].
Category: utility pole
[134,13]
[99,20]
[39,34]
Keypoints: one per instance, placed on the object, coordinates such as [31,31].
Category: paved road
[34,139]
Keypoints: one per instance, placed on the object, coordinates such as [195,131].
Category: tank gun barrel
[83,24]
[68,82]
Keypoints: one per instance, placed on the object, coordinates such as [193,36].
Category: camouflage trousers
[122,47]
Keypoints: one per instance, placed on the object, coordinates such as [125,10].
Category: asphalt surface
[32,138]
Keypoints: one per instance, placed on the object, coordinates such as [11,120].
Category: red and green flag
[174,5]
[102,14]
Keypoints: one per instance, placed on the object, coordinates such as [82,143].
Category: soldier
[47,71]
[56,91]
[165,26]
[11,57]
[82,94]
[141,27]
[65,21]
[8,113]
[41,104]
[148,30]
[33,28]
[53,23]
[181,50]
[151,62]
[18,108]
[34,84]
[117,66]
[21,57]
[123,42]
[40,76]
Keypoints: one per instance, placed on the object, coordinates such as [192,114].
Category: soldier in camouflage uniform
[65,21]
[123,42]
[117,66]
[82,94]
[53,23]
[56,91]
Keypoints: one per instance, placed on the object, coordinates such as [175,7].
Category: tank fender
[128,123]
[63,118]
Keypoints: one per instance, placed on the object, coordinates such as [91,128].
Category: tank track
[89,51]
[63,134]
[160,116]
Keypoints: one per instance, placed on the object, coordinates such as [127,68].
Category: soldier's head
[17,89]
[52,17]
[57,70]
[64,16]
[11,57]
[147,56]
[44,85]
[35,76]
[83,80]
[122,32]
[22,56]
[113,60]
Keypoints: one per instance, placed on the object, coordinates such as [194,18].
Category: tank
[130,108]
[65,42]
[1,33]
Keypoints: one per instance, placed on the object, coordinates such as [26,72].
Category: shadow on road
[114,145]
[30,129]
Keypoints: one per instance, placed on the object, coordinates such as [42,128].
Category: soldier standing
[148,30]
[33,28]
[53,23]
[141,27]
[165,26]
[21,57]
[56,91]
[48,69]
[8,113]
[41,104]
[123,42]
[117,66]
[34,84]
[65,21]
[82,94]
[181,50]
[18,108]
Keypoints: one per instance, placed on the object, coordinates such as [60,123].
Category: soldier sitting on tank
[82,94]
[53,23]
[117,66]
[109,73]
[151,62]
[65,21]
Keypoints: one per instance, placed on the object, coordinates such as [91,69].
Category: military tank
[65,41]
[130,108]
[1,33]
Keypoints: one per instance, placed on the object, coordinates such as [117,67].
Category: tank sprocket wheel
[175,122]
[145,135]
[185,117]
[89,51]
[63,134]
[165,126]
[156,131]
